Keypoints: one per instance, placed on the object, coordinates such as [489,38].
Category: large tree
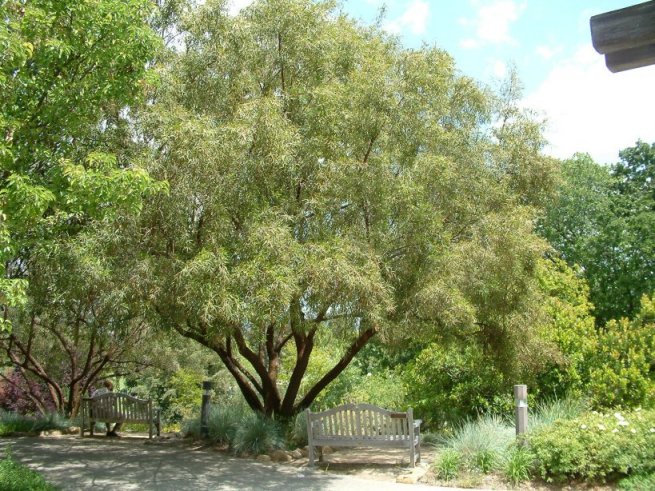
[69,69]
[322,177]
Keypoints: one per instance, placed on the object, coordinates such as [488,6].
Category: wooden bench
[118,408]
[354,425]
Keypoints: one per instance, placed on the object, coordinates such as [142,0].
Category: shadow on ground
[134,463]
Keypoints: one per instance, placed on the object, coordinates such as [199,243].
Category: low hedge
[596,446]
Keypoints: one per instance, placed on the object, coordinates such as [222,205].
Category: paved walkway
[129,463]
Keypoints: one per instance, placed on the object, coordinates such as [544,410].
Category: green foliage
[448,465]
[448,383]
[68,70]
[17,477]
[518,465]
[596,446]
[485,461]
[237,426]
[11,423]
[605,217]
[183,395]
[621,373]
[569,328]
[297,436]
[639,482]
[549,411]
[256,435]
[323,178]
[486,433]
[224,421]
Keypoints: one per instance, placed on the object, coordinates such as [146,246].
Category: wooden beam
[628,59]
[624,29]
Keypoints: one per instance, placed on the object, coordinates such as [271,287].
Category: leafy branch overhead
[68,71]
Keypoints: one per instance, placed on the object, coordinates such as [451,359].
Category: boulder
[280,456]
[264,458]
[296,454]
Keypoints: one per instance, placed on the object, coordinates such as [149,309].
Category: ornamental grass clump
[549,411]
[519,462]
[596,446]
[448,465]
[257,435]
[11,423]
[223,422]
[489,433]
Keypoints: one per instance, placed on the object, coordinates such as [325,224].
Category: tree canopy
[68,71]
[323,177]
[604,221]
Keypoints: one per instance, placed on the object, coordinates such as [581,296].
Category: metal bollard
[204,408]
[521,401]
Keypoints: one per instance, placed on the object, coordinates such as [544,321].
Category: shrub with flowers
[596,446]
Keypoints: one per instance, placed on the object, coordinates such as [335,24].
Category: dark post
[204,409]
[521,400]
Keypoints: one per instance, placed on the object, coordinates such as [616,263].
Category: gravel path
[130,463]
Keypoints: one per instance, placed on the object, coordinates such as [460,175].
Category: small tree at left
[70,72]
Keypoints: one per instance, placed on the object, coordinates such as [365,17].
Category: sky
[586,107]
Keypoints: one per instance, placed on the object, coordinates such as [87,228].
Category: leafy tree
[604,221]
[78,326]
[323,178]
[570,330]
[68,71]
[623,367]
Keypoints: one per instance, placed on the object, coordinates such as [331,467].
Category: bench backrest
[361,422]
[119,407]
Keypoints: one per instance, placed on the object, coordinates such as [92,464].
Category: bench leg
[310,454]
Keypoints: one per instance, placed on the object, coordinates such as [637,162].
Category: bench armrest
[417,423]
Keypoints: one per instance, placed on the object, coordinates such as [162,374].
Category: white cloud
[589,109]
[415,19]
[235,6]
[499,68]
[547,52]
[469,43]
[493,20]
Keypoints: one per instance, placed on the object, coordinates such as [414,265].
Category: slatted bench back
[361,423]
[120,407]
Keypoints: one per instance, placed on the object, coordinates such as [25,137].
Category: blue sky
[586,107]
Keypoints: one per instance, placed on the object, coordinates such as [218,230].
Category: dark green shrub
[448,384]
[621,372]
[639,482]
[596,446]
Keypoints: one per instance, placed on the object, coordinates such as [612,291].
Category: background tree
[68,71]
[604,221]
[79,325]
[324,178]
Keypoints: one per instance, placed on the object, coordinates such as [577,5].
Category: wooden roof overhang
[626,36]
